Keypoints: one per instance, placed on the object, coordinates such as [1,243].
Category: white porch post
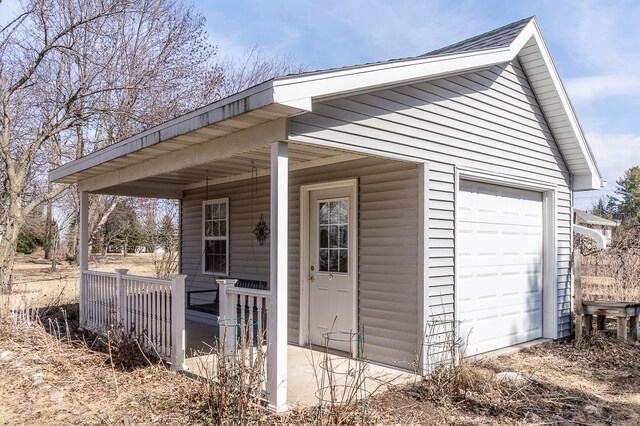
[277,326]
[423,264]
[83,252]
[178,338]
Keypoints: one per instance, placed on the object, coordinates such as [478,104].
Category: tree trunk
[48,231]
[7,259]
[9,240]
[8,244]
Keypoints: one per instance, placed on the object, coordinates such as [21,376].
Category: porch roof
[277,99]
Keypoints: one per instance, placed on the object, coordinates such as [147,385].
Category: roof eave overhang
[251,100]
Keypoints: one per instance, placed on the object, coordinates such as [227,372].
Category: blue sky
[595,45]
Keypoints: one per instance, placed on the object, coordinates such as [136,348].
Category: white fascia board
[581,182]
[309,87]
[245,101]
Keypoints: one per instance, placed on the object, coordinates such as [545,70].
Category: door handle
[312,278]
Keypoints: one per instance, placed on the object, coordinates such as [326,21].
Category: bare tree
[159,231]
[254,67]
[78,75]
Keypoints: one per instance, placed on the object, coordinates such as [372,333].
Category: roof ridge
[497,37]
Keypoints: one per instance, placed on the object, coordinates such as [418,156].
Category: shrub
[28,242]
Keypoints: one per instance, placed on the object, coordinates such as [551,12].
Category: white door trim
[550,247]
[305,191]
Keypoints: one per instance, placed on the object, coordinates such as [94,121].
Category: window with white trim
[216,236]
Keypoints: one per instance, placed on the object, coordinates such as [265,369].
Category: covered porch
[191,161]
[304,375]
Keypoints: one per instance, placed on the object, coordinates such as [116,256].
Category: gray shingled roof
[500,37]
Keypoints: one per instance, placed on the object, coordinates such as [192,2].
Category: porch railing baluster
[148,305]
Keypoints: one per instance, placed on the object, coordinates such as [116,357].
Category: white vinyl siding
[388,246]
[487,120]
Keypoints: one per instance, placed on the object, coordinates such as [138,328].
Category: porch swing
[210,305]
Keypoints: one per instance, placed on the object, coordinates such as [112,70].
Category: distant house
[605,226]
[380,197]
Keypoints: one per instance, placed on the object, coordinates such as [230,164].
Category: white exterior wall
[388,247]
[487,120]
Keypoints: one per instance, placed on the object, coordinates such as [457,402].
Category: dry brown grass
[94,392]
[596,384]
[603,374]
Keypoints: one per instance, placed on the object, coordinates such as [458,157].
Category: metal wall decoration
[261,231]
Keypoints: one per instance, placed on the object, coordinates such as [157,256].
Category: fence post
[178,340]
[120,298]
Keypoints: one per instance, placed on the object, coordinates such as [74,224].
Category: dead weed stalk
[233,378]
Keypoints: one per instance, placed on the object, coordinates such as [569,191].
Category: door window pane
[324,260]
[324,237]
[333,217]
[344,261]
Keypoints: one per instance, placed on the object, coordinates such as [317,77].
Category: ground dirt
[50,373]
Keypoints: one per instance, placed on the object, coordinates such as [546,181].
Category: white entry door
[500,259]
[331,263]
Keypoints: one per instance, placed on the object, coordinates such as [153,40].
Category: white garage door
[499,286]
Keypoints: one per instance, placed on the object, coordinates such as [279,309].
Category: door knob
[311,278]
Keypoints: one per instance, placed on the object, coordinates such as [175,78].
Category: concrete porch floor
[304,374]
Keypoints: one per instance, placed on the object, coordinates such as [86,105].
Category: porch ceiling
[235,167]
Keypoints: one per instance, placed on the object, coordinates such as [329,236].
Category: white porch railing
[143,306]
[244,319]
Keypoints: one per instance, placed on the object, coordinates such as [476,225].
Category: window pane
[324,237]
[222,228]
[343,211]
[223,210]
[220,264]
[344,261]
[324,213]
[334,211]
[208,259]
[333,236]
[220,247]
[208,256]
[324,265]
[344,236]
[215,256]
[333,260]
